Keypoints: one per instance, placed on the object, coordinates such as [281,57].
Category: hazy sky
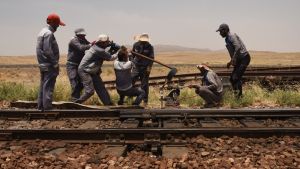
[269,25]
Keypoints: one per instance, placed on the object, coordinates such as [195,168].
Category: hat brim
[62,23]
[144,39]
[81,33]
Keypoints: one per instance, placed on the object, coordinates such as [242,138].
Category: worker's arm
[74,43]
[212,80]
[50,49]
[237,47]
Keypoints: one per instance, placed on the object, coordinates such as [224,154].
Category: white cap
[144,37]
[103,38]
[80,31]
[203,66]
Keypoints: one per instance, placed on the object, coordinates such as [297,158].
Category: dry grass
[30,76]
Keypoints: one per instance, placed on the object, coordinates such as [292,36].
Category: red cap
[55,19]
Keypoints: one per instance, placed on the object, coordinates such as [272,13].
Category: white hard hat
[144,37]
[103,38]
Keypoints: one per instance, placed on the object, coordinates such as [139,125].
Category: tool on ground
[172,72]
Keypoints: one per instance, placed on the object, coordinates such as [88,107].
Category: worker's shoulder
[211,73]
[45,32]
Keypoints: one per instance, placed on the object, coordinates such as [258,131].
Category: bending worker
[124,85]
[47,52]
[211,90]
[239,55]
[77,46]
[90,68]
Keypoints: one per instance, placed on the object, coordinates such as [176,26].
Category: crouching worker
[212,88]
[124,85]
[90,68]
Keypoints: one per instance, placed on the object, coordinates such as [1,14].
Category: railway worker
[124,85]
[77,47]
[47,52]
[211,89]
[240,58]
[142,67]
[89,69]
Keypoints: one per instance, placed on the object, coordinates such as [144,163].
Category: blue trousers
[237,74]
[75,81]
[92,83]
[47,84]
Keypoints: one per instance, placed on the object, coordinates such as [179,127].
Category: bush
[254,94]
[286,97]
[11,91]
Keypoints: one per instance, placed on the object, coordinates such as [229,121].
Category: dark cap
[223,26]
[80,31]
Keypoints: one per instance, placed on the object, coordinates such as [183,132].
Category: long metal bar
[31,113]
[158,113]
[128,135]
[248,74]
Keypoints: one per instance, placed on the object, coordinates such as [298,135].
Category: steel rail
[58,113]
[150,113]
[202,113]
[126,136]
[225,73]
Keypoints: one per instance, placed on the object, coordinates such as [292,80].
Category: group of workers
[85,60]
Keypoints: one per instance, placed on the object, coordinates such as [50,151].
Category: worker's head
[223,29]
[80,33]
[54,21]
[123,54]
[144,38]
[203,68]
[103,41]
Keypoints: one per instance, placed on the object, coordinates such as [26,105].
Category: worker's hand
[192,86]
[148,70]
[228,64]
[93,43]
[56,67]
[233,62]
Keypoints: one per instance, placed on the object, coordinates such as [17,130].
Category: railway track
[276,75]
[153,127]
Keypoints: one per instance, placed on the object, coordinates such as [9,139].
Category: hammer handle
[151,59]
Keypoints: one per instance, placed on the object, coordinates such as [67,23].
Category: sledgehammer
[172,72]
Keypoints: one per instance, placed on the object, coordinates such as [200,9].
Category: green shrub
[11,91]
[189,98]
[254,94]
[286,97]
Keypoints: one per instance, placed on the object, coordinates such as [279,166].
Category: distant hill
[175,48]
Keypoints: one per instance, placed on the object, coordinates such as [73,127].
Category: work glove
[56,67]
[114,47]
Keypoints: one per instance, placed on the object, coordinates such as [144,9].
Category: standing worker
[211,89]
[48,56]
[90,68]
[142,67]
[239,55]
[123,67]
[77,46]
